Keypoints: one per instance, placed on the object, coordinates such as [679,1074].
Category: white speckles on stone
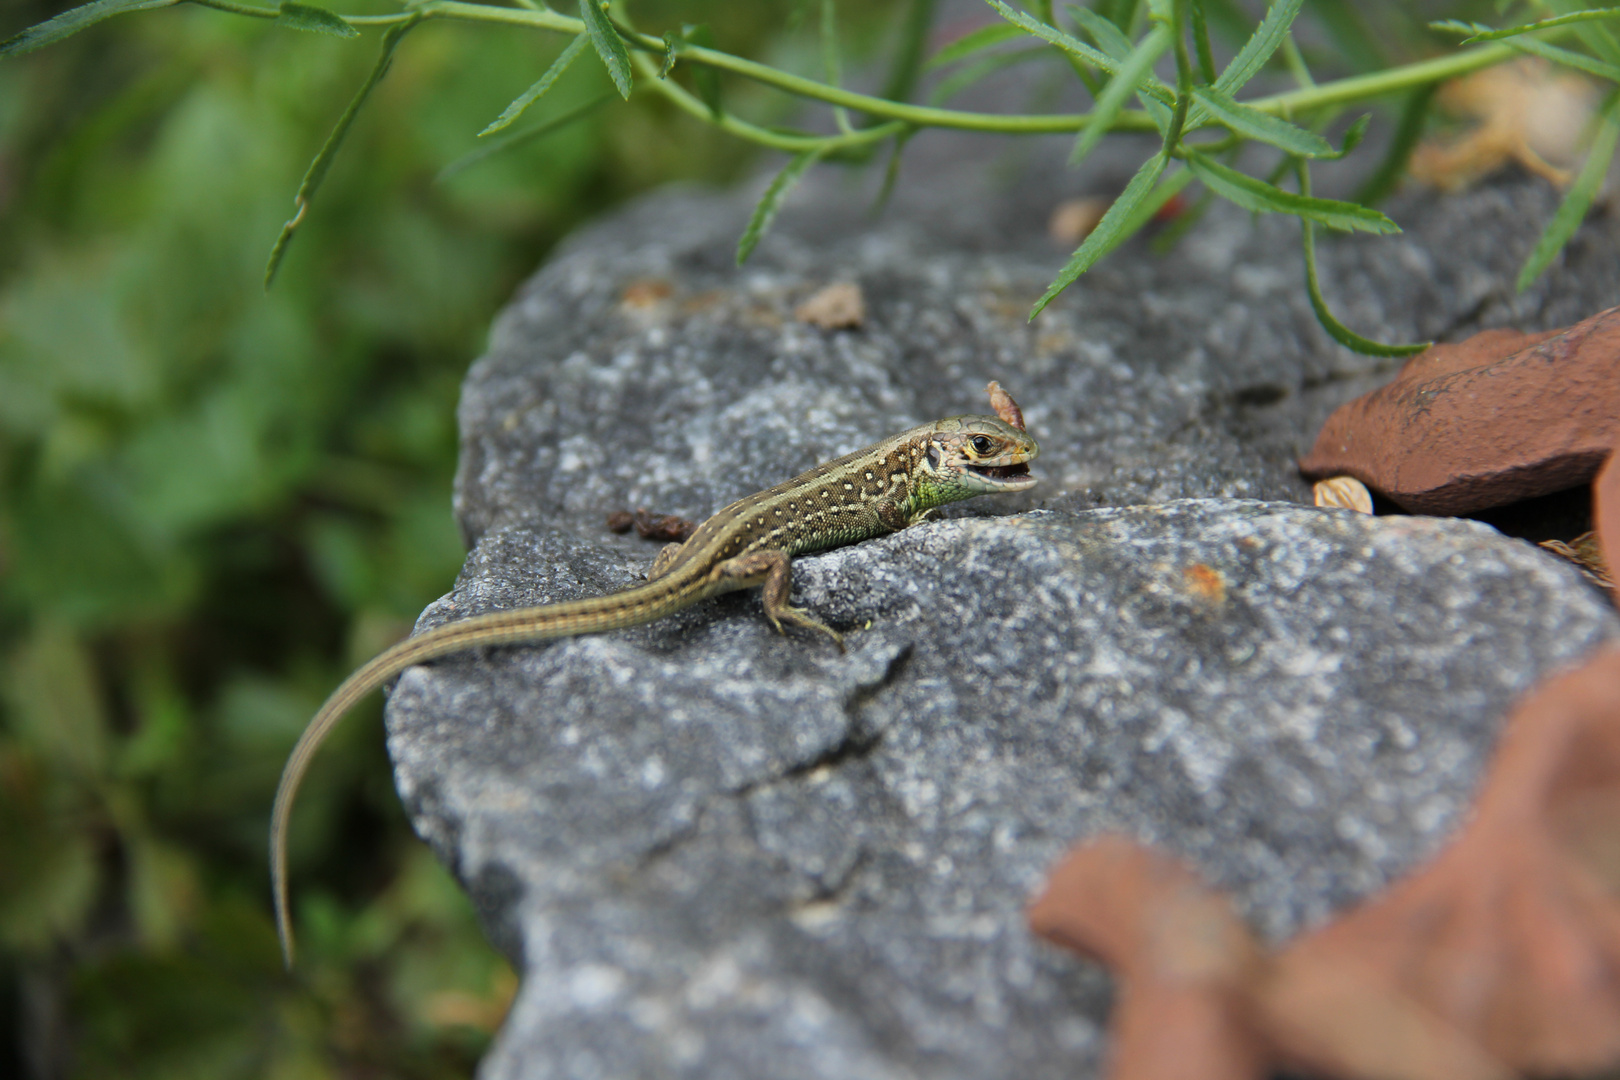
[594,985]
[578,455]
[856,834]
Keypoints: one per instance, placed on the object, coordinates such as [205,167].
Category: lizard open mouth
[1012,475]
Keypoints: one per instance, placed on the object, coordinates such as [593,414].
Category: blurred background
[215,501]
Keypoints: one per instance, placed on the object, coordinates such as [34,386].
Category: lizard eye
[982,445]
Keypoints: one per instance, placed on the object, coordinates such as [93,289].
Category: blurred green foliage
[217,500]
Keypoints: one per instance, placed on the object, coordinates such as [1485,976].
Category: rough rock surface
[716,852]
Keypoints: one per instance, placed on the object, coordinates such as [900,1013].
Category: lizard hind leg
[772,571]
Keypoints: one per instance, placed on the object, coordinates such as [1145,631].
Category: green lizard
[881,489]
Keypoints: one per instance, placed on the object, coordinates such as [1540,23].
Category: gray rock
[717,852]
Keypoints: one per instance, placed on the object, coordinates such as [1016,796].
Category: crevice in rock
[1382,366]
[667,844]
[832,893]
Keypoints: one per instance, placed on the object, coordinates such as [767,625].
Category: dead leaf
[1073,219]
[839,306]
[1500,417]
[1184,960]
[1500,957]
[644,293]
[481,1012]
[1528,112]
[1512,934]
[1606,511]
[1587,556]
[1343,493]
[1004,405]
[651,526]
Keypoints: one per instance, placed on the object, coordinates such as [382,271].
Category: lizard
[881,489]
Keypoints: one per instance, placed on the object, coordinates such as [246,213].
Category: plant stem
[1338,92]
[776,140]
[1380,83]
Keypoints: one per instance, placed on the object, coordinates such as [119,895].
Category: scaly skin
[871,492]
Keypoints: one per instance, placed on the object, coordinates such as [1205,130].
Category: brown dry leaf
[1528,111]
[1073,219]
[482,1012]
[1199,1000]
[1512,934]
[1343,493]
[1606,511]
[1587,556]
[839,306]
[1185,962]
[651,526]
[1501,957]
[645,293]
[1004,405]
[1500,417]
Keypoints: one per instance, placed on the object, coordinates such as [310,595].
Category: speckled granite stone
[716,852]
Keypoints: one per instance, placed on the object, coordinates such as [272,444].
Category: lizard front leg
[663,561]
[771,571]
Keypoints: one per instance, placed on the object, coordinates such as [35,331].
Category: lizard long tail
[520,625]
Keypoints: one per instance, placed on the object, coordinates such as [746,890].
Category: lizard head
[966,456]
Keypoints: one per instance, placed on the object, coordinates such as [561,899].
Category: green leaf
[672,48]
[908,54]
[771,201]
[1474,29]
[1572,211]
[1272,130]
[609,45]
[1408,131]
[705,79]
[1125,82]
[70,22]
[328,152]
[1103,31]
[1110,231]
[1336,329]
[1265,40]
[1157,97]
[314,19]
[569,54]
[1171,184]
[1594,35]
[968,74]
[1568,57]
[892,173]
[518,138]
[1200,29]
[1053,36]
[831,65]
[982,38]
[1481,32]
[53,694]
[1353,136]
[1261,197]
